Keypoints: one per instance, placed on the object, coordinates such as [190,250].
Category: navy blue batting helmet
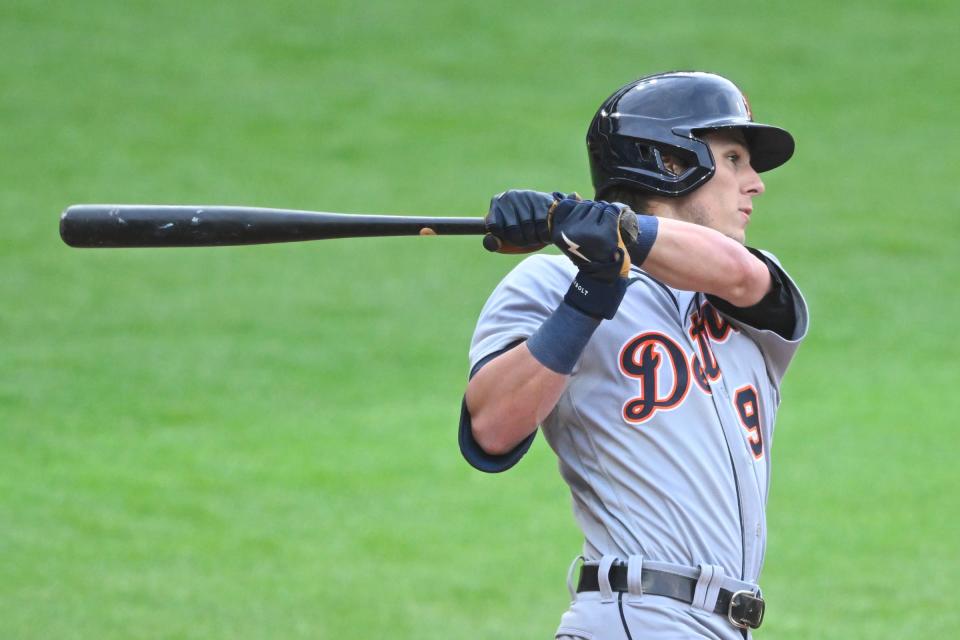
[668,113]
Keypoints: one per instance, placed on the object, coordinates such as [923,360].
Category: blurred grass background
[260,442]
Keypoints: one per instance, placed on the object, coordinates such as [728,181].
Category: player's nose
[752,183]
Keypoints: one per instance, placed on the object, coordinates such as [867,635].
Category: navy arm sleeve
[473,452]
[775,312]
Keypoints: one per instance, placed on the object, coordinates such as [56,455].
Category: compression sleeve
[775,312]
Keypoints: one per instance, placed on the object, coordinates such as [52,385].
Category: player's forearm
[509,397]
[696,258]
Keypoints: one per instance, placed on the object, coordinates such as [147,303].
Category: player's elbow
[496,426]
[486,415]
[491,435]
[747,281]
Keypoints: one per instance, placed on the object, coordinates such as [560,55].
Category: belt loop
[570,586]
[603,578]
[634,578]
[708,586]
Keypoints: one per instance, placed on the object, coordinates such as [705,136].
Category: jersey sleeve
[778,350]
[520,303]
[516,308]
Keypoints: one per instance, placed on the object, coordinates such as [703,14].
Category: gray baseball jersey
[664,431]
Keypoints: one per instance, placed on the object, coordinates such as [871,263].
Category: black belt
[742,608]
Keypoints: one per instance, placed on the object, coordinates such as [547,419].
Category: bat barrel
[97,225]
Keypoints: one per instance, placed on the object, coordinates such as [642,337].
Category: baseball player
[651,355]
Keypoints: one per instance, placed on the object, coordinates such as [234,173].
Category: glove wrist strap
[596,298]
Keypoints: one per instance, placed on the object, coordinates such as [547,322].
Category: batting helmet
[668,113]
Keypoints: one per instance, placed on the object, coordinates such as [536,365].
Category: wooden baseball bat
[127,225]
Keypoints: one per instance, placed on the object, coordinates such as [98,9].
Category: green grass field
[260,442]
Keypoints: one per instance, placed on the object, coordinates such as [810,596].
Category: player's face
[725,202]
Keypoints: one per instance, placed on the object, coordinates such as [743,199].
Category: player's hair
[637,200]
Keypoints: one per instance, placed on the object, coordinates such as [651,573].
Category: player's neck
[662,208]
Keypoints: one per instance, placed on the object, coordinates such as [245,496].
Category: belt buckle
[749,614]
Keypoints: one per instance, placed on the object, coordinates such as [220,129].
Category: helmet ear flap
[649,165]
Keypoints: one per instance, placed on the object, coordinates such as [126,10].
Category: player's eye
[734,157]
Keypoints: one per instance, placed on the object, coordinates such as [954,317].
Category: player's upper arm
[776,310]
[513,312]
[471,450]
[778,323]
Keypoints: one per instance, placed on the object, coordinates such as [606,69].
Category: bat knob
[491,243]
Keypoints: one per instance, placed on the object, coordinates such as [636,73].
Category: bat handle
[628,235]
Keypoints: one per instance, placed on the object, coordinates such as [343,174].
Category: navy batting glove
[589,234]
[517,219]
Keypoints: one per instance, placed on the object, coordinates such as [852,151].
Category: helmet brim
[769,146]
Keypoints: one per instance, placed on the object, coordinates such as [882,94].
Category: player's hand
[589,233]
[517,221]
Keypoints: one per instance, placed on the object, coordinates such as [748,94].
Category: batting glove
[589,234]
[517,221]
